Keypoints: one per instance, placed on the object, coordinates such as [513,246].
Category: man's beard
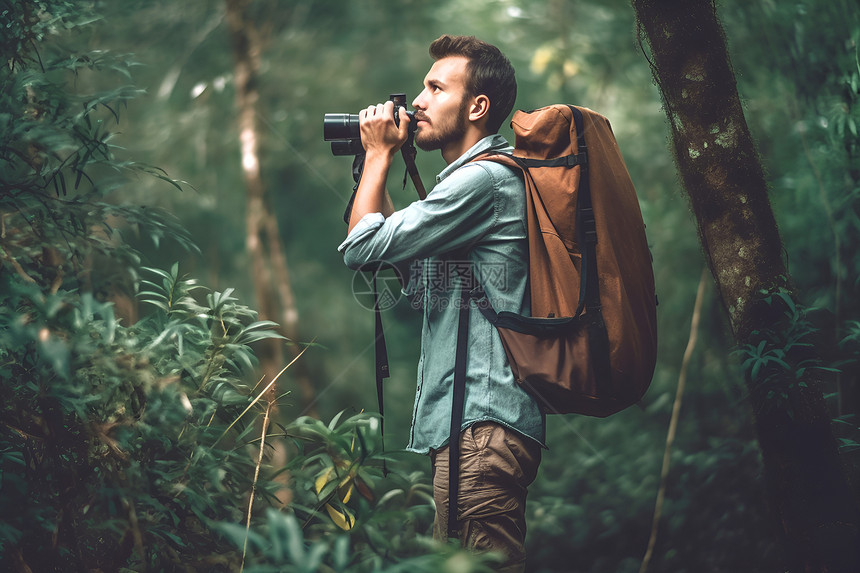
[453,129]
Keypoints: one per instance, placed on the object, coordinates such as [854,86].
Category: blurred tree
[723,177]
[263,240]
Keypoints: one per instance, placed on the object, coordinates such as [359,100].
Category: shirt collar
[493,142]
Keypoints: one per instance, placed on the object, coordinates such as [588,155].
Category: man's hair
[489,73]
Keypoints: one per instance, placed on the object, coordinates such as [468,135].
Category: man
[474,216]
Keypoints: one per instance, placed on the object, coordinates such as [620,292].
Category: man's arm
[457,213]
[382,139]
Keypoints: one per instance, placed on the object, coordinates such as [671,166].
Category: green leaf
[340,552]
[335,420]
[846,445]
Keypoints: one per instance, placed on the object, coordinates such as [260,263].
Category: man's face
[441,110]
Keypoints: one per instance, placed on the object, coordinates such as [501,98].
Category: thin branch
[254,484]
[673,424]
[136,534]
[16,265]
[260,395]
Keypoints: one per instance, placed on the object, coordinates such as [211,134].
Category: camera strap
[409,152]
[357,170]
[382,371]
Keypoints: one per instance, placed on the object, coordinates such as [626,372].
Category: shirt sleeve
[456,214]
[368,225]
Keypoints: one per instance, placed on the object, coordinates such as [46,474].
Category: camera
[342,129]
[344,133]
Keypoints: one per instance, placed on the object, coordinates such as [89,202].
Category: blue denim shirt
[476,216]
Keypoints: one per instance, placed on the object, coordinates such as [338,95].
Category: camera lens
[341,126]
[346,147]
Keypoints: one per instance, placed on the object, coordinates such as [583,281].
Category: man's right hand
[381,138]
[379,134]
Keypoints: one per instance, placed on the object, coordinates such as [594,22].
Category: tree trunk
[271,276]
[725,183]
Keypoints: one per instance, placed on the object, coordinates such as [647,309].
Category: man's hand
[379,134]
[381,139]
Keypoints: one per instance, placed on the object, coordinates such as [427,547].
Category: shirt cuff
[368,225]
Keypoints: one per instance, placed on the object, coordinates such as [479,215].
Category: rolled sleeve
[367,226]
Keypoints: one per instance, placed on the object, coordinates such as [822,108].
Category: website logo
[388,285]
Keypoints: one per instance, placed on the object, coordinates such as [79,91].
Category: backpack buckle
[477,293]
[580,158]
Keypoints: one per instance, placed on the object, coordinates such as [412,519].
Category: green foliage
[280,542]
[590,509]
[212,341]
[347,513]
[128,446]
[846,426]
[113,441]
[57,158]
[787,347]
[116,430]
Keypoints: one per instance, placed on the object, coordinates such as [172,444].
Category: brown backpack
[589,346]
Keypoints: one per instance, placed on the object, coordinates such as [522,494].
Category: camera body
[342,129]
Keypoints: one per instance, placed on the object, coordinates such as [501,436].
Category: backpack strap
[586,227]
[589,289]
[581,158]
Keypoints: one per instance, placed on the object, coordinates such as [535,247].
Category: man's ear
[480,109]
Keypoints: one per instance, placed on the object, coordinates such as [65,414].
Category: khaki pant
[496,467]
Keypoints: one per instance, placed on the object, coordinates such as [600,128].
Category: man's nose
[416,104]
